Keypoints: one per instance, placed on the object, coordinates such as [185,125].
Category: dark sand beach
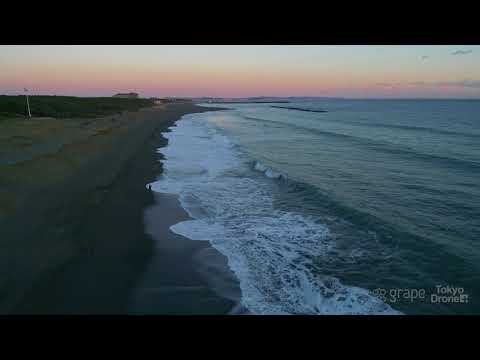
[72,221]
[183,276]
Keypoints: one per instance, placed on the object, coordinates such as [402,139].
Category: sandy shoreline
[74,240]
[183,276]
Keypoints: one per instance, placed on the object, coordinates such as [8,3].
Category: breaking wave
[271,251]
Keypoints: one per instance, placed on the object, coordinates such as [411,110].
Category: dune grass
[67,106]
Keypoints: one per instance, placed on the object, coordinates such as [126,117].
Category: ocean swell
[271,251]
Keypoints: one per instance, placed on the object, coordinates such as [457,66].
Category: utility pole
[28,104]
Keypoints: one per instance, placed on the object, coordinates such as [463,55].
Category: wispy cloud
[418,83]
[461,83]
[388,84]
[473,84]
[462,52]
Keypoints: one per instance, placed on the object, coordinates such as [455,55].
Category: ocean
[336,206]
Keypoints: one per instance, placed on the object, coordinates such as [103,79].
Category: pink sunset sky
[240,71]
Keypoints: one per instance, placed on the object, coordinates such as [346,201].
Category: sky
[240,71]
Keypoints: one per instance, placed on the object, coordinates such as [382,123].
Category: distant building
[131,95]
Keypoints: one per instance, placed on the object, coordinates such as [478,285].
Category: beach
[239,179]
[183,209]
[333,212]
[72,216]
[182,277]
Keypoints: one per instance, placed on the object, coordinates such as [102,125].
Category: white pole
[28,104]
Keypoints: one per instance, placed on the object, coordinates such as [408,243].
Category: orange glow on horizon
[237,71]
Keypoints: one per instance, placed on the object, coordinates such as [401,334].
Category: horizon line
[263,96]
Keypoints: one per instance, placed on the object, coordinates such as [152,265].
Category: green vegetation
[67,106]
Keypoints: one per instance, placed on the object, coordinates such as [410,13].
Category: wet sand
[183,276]
[71,221]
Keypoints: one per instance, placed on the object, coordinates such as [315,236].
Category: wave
[271,251]
[379,145]
[419,128]
[379,241]
[383,125]
[403,127]
[268,172]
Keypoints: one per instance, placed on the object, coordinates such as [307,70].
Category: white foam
[268,172]
[270,251]
[260,167]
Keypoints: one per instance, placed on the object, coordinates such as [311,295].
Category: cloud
[463,83]
[388,84]
[470,84]
[418,83]
[475,84]
[462,52]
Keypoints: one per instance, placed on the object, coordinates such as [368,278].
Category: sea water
[346,211]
